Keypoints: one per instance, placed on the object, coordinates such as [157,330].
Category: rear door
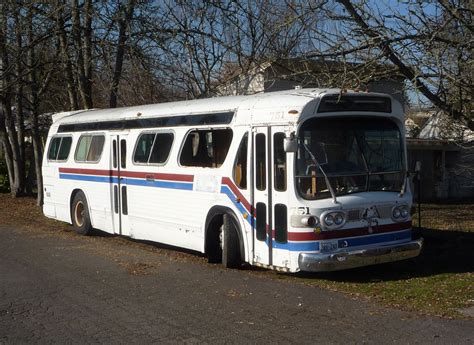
[118,184]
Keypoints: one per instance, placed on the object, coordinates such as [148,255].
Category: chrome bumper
[342,260]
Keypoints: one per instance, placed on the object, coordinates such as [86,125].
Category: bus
[297,180]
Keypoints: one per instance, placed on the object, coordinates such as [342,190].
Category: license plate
[328,246]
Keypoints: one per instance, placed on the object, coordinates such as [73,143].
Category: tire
[80,218]
[229,240]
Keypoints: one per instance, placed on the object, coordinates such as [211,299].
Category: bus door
[270,196]
[119,184]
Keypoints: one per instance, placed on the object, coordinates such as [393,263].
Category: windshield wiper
[316,163]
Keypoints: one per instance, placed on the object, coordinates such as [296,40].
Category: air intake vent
[353,216]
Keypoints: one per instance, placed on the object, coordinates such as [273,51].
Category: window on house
[206,148]
[89,148]
[59,148]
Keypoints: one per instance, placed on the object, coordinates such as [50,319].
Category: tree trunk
[20,121]
[66,59]
[17,184]
[34,101]
[124,21]
[84,83]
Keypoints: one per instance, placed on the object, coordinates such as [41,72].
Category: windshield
[357,154]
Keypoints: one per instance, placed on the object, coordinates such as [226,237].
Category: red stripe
[134,174]
[159,176]
[227,181]
[86,171]
[326,235]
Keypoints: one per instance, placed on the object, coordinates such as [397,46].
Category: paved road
[58,288]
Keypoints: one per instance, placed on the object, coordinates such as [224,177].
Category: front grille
[353,215]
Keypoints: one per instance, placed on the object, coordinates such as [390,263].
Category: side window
[240,166]
[59,148]
[143,148]
[206,148]
[153,148]
[279,162]
[123,154]
[260,162]
[89,148]
[161,148]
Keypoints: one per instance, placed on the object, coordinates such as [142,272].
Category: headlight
[329,220]
[404,212]
[400,213]
[338,219]
[332,220]
[396,213]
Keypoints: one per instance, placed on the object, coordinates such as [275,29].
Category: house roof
[296,68]
[442,126]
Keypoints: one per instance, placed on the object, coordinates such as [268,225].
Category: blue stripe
[160,184]
[107,179]
[226,190]
[297,246]
[389,237]
[128,181]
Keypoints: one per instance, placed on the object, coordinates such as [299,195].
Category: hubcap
[79,213]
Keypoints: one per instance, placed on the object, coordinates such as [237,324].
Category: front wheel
[81,221]
[229,241]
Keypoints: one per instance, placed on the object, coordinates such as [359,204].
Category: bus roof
[285,105]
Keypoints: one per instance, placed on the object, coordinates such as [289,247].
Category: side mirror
[290,143]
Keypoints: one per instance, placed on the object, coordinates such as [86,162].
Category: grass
[439,282]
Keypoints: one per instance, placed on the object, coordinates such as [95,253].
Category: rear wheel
[81,221]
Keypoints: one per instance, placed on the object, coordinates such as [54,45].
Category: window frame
[77,147]
[59,148]
[247,158]
[185,137]
[155,132]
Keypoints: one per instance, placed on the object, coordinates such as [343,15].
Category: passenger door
[270,196]
[118,184]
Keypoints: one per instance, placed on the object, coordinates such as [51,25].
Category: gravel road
[70,289]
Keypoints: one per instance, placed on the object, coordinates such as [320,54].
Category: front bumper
[342,260]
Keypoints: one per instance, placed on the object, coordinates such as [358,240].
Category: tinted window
[123,154]
[59,148]
[281,234]
[206,148]
[153,148]
[161,148]
[89,148]
[54,148]
[143,149]
[279,162]
[240,167]
[260,162]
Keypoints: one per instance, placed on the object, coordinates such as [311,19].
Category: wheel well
[73,195]
[214,220]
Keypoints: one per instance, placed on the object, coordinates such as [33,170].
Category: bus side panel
[159,214]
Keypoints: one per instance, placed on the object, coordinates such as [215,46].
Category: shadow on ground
[443,252]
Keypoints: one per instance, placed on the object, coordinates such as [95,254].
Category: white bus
[298,180]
